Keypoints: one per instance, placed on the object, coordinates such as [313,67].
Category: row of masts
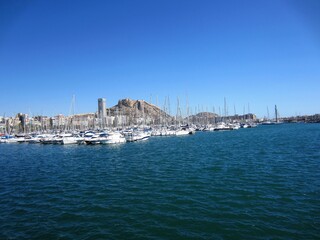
[118,118]
[276,113]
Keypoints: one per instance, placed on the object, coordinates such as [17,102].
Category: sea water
[259,183]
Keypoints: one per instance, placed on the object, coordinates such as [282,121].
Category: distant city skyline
[254,54]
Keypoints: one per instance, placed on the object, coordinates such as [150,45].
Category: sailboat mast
[177,114]
[225,108]
[187,110]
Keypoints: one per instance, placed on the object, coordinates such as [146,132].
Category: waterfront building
[84,121]
[102,113]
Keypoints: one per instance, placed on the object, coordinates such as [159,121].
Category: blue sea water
[260,183]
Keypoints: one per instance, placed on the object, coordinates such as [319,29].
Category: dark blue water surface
[260,183]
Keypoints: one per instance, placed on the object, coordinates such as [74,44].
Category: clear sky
[257,53]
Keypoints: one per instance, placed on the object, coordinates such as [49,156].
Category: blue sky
[256,53]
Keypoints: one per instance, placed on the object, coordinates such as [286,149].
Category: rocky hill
[140,111]
[136,109]
[203,117]
[209,117]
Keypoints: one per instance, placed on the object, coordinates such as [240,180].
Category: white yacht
[223,127]
[37,138]
[94,140]
[170,132]
[235,126]
[137,136]
[182,131]
[70,139]
[50,139]
[8,139]
[208,128]
[185,130]
[113,137]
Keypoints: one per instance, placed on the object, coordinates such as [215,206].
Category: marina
[128,121]
[114,136]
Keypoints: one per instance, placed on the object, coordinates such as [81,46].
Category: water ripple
[247,184]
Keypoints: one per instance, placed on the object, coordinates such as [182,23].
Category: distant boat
[48,139]
[275,121]
[185,130]
[182,131]
[36,138]
[70,139]
[223,127]
[95,139]
[8,139]
[137,136]
[112,138]
[268,122]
